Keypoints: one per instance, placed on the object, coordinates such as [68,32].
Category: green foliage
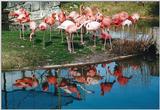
[110,8]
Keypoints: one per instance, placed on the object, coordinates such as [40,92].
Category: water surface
[132,83]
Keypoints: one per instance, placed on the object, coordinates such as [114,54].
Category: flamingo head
[53,15]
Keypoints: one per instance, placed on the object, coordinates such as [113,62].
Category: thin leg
[82,42]
[30,37]
[72,43]
[23,31]
[69,44]
[20,35]
[61,33]
[33,40]
[110,43]
[123,34]
[44,40]
[50,33]
[105,44]
[94,39]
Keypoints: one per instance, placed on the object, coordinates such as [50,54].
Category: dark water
[132,83]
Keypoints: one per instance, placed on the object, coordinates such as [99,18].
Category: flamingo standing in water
[50,21]
[43,26]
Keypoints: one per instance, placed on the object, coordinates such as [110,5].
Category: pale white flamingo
[93,26]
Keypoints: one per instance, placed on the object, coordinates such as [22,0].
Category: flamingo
[33,27]
[50,21]
[121,19]
[105,36]
[106,23]
[93,26]
[22,16]
[70,27]
[80,20]
[134,17]
[43,26]
[61,19]
[73,15]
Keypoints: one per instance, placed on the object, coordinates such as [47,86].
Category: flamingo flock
[87,19]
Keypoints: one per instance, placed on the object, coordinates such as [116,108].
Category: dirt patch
[96,56]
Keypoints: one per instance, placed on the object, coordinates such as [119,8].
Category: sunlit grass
[18,53]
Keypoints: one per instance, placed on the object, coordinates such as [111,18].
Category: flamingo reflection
[106,87]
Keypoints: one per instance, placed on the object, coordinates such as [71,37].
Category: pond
[131,83]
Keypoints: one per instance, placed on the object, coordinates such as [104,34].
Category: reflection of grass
[20,53]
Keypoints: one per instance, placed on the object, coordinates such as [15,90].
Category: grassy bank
[18,53]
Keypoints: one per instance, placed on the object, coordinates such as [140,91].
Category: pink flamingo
[106,23]
[93,26]
[43,26]
[22,17]
[73,15]
[81,20]
[61,19]
[134,17]
[105,36]
[50,21]
[33,27]
[70,27]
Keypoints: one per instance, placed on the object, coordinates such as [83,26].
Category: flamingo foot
[70,51]
[94,46]
[23,38]
[110,49]
[74,52]
[103,49]
[82,43]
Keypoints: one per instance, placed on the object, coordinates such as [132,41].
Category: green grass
[110,8]
[18,53]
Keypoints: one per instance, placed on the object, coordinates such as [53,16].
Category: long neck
[84,23]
